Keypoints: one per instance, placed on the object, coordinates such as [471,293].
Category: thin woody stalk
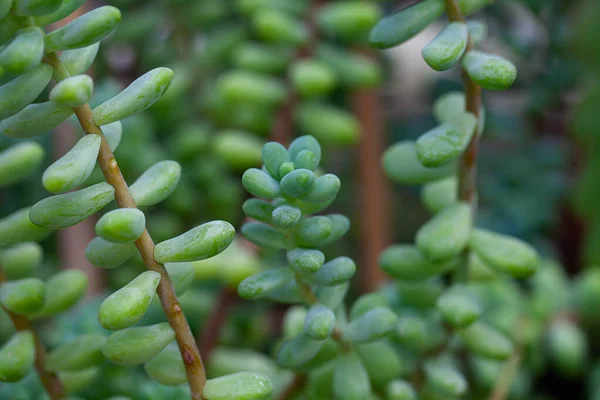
[185,339]
[49,380]
[467,164]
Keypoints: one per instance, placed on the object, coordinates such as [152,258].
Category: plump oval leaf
[348,20]
[273,155]
[446,49]
[297,182]
[298,351]
[65,8]
[400,390]
[64,210]
[19,161]
[312,78]
[327,123]
[244,87]
[238,149]
[440,194]
[167,367]
[350,378]
[264,282]
[405,262]
[106,254]
[23,90]
[140,95]
[156,183]
[128,305]
[319,323]
[84,31]
[19,261]
[17,357]
[305,260]
[458,307]
[286,216]
[486,341]
[24,52]
[323,190]
[568,347]
[401,164]
[78,61]
[135,346]
[489,71]
[238,386]
[204,241]
[24,296]
[445,377]
[75,167]
[34,120]
[121,225]
[260,184]
[264,235]
[334,272]
[74,91]
[83,352]
[17,227]
[279,27]
[446,142]
[63,290]
[372,325]
[32,8]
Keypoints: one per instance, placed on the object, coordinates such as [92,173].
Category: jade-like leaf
[260,184]
[128,305]
[329,124]
[140,95]
[333,296]
[121,225]
[324,190]
[445,377]
[135,346]
[238,149]
[259,210]
[264,282]
[401,164]
[440,194]
[446,49]
[447,234]
[24,296]
[298,351]
[156,183]
[19,161]
[24,52]
[19,261]
[489,71]
[64,210]
[5,6]
[458,307]
[334,272]
[74,91]
[305,260]
[63,290]
[32,8]
[23,90]
[505,253]
[293,321]
[302,143]
[78,61]
[348,20]
[66,8]
[238,386]
[8,26]
[273,155]
[76,381]
[340,226]
[106,254]
[34,120]
[264,235]
[405,262]
[446,142]
[204,241]
[399,27]
[319,323]
[279,27]
[568,347]
[312,78]
[306,159]
[17,227]
[84,31]
[286,216]
[313,230]
[486,341]
[350,379]
[400,390]
[382,361]
[167,367]
[75,167]
[83,352]
[452,104]
[261,58]
[352,70]
[297,182]
[17,357]
[372,325]
[367,302]
[245,87]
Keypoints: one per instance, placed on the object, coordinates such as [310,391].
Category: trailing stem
[49,380]
[185,339]
[467,165]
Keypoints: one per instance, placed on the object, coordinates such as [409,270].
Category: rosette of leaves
[31,55]
[320,338]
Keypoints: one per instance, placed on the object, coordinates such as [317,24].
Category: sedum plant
[30,55]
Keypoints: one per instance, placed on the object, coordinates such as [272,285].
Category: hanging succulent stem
[218,317]
[467,165]
[112,173]
[49,380]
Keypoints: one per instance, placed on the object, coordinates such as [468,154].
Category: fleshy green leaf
[156,183]
[23,296]
[24,52]
[79,61]
[244,87]
[445,377]
[259,210]
[367,302]
[75,167]
[350,379]
[128,305]
[23,90]
[31,8]
[238,386]
[401,164]
[264,235]
[264,282]
[286,216]
[279,27]
[400,390]
[372,325]
[313,230]
[485,341]
[121,225]
[140,95]
[19,161]
[348,20]
[19,261]
[298,351]
[489,71]
[135,346]
[305,260]
[204,241]
[260,184]
[63,290]
[74,91]
[446,49]
[76,381]
[84,31]
[64,210]
[182,276]
[17,357]
[405,262]
[273,155]
[334,272]
[297,182]
[312,78]
[66,8]
[447,234]
[327,123]
[319,323]
[446,142]
[34,120]
[440,194]
[323,190]
[458,307]
[568,347]
[83,352]
[17,227]
[167,367]
[106,254]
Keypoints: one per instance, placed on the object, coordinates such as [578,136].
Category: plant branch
[49,380]
[112,173]
[294,386]
[218,316]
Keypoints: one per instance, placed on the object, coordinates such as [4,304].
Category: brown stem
[467,166]
[372,191]
[294,386]
[183,334]
[218,316]
[504,382]
[49,380]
